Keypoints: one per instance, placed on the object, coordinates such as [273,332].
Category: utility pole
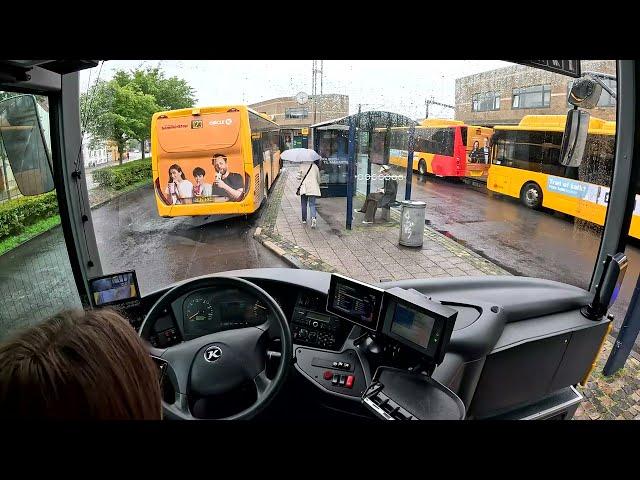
[316,77]
[428,102]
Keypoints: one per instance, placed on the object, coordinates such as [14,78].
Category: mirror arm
[597,77]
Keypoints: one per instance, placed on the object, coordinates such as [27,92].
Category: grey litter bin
[412,223]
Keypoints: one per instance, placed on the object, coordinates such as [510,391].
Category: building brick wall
[504,80]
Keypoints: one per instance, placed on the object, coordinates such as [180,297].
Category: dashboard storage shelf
[398,394]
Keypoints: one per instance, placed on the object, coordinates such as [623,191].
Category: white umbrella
[300,155]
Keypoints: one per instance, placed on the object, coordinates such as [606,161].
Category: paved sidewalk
[368,253]
[371,253]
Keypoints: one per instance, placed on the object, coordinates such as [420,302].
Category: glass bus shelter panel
[362,161]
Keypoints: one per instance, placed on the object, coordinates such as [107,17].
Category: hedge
[121,176]
[17,214]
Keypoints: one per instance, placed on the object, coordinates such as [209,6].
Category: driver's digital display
[414,326]
[114,288]
[355,301]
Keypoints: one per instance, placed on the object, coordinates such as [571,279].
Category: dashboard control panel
[338,372]
[312,325]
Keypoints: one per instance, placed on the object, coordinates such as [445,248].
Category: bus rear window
[198,132]
[463,134]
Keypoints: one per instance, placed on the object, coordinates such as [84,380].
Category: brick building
[505,95]
[296,114]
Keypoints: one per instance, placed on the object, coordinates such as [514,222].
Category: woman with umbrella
[308,190]
[309,187]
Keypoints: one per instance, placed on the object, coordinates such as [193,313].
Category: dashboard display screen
[355,301]
[113,289]
[414,326]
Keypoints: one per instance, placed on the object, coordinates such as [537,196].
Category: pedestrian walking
[309,190]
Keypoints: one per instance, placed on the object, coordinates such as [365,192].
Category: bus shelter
[352,147]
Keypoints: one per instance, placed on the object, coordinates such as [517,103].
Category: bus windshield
[186,172]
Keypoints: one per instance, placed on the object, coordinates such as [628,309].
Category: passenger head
[486,142]
[219,162]
[176,173]
[198,174]
[79,365]
[476,144]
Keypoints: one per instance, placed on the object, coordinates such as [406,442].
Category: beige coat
[311,184]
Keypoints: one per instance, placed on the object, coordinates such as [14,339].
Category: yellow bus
[526,165]
[213,160]
[443,147]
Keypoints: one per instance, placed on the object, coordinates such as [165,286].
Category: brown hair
[79,365]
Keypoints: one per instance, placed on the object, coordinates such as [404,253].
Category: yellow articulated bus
[443,147]
[526,165]
[213,160]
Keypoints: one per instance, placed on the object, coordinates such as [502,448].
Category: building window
[484,102]
[538,96]
[296,113]
[605,100]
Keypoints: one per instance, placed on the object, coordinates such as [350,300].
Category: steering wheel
[213,365]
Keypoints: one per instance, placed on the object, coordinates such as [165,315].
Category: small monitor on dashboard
[114,289]
[418,323]
[358,302]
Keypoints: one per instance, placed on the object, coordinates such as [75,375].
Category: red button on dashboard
[328,375]
[349,382]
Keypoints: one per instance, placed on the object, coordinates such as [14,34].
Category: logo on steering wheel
[212,353]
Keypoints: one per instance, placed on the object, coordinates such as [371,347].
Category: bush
[122,176]
[17,214]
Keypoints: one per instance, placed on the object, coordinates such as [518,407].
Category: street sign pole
[351,170]
[409,173]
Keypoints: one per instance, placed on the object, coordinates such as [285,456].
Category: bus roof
[215,109]
[439,122]
[556,123]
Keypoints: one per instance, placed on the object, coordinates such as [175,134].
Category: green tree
[116,112]
[169,93]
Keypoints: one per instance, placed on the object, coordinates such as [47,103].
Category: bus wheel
[422,167]
[531,195]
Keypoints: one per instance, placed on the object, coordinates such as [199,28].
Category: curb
[100,204]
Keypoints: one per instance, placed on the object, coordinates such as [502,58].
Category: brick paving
[371,253]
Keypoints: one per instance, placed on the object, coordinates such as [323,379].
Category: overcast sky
[399,86]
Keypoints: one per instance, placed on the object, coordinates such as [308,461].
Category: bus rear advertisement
[213,161]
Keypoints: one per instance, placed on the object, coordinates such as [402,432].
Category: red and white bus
[446,148]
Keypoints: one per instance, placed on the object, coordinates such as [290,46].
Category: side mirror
[574,139]
[24,133]
[585,93]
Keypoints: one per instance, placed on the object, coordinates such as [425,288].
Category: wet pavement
[525,242]
[131,235]
[36,279]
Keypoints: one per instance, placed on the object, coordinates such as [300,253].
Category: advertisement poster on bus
[200,159]
[584,191]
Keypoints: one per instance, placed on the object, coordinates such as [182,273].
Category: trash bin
[412,223]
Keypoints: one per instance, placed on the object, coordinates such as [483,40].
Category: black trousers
[371,205]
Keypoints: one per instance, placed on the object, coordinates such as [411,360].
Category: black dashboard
[331,355]
[207,311]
